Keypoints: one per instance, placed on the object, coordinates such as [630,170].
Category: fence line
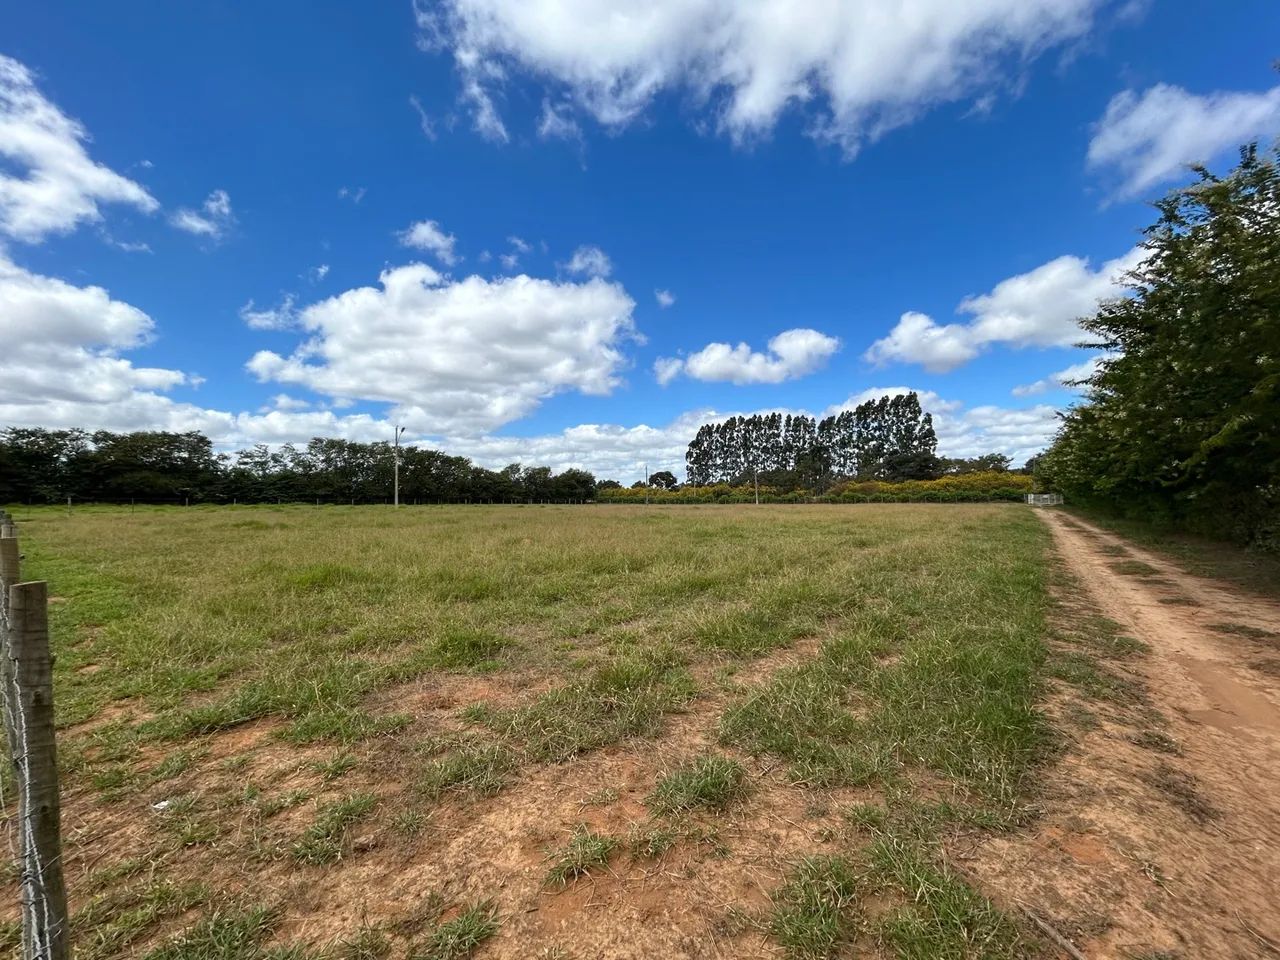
[26,666]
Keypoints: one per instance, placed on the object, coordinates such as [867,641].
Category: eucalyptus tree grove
[890,438]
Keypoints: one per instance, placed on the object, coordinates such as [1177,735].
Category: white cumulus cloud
[459,356]
[1151,137]
[1069,377]
[791,354]
[1040,308]
[589,261]
[457,359]
[72,368]
[436,353]
[665,298]
[49,184]
[858,68]
[428,236]
[74,373]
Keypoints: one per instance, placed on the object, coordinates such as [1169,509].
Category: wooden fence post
[9,575]
[8,572]
[28,694]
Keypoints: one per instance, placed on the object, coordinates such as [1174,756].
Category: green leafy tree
[664,479]
[1179,421]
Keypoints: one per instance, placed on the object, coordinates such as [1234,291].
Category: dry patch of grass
[1182,790]
[1244,630]
[1134,568]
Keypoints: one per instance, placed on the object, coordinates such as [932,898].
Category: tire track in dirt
[1140,854]
[1213,681]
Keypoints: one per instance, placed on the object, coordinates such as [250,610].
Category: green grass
[938,913]
[223,935]
[481,769]
[322,843]
[626,697]
[369,943]
[335,766]
[814,911]
[942,918]
[710,782]
[115,919]
[446,658]
[919,686]
[458,938]
[586,851]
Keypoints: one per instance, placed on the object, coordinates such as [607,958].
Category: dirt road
[1161,829]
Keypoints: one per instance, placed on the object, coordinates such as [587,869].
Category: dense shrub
[964,488]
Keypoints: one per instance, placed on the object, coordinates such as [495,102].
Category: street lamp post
[396,468]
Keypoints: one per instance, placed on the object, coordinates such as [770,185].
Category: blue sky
[297,219]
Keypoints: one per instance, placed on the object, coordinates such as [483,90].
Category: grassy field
[351,732]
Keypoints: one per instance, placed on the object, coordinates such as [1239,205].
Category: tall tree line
[1181,421]
[891,438]
[44,466]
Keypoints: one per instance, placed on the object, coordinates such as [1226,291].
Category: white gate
[1044,499]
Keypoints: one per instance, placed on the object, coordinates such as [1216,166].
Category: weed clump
[812,912]
[944,918]
[468,647]
[228,934]
[322,843]
[625,698]
[480,769]
[584,852]
[651,842]
[713,782]
[458,938]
